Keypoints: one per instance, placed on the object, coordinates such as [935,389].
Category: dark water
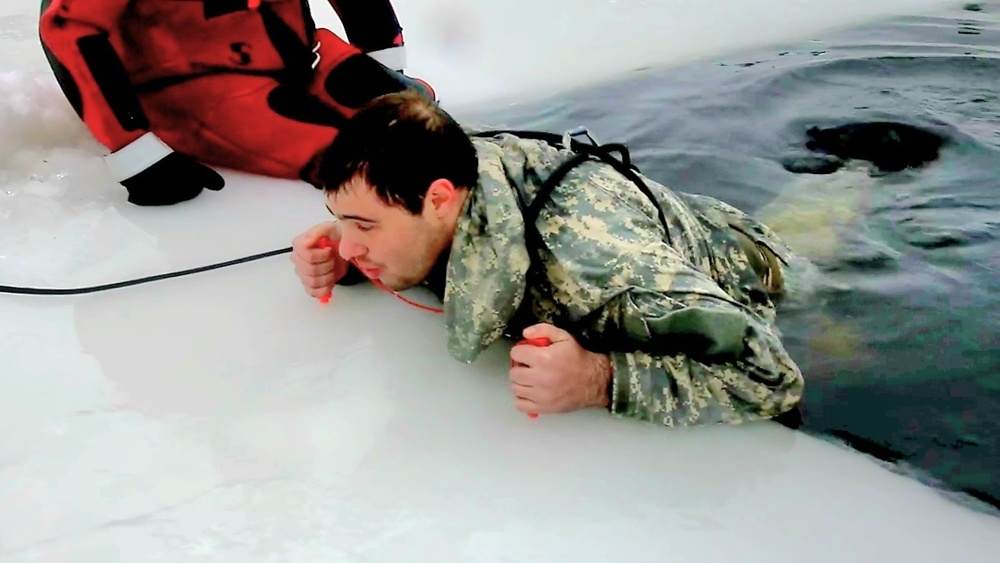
[899,341]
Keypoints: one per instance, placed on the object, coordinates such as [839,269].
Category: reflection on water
[899,336]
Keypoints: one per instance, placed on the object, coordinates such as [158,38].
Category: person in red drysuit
[250,85]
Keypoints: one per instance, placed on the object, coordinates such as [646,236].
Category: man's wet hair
[399,144]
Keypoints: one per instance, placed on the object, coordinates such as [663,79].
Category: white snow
[227,417]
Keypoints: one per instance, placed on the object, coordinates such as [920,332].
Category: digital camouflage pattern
[684,316]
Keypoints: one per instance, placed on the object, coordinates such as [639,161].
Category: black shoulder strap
[584,152]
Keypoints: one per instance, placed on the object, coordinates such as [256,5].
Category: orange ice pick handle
[325,242]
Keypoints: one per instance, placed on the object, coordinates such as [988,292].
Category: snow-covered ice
[227,417]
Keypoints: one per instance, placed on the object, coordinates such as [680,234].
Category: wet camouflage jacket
[686,321]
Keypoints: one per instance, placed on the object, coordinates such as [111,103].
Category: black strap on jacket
[583,153]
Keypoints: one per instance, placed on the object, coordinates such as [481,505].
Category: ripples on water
[899,340]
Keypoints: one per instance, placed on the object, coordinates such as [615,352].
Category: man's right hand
[319,269]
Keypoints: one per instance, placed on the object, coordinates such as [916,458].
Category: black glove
[172,179]
[147,167]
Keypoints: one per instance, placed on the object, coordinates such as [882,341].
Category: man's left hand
[561,377]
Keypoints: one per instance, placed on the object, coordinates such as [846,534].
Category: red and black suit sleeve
[370,25]
[75,35]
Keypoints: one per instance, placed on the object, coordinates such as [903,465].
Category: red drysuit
[250,85]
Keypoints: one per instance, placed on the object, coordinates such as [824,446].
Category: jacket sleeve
[75,37]
[698,359]
[683,351]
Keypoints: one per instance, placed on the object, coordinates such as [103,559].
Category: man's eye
[363,227]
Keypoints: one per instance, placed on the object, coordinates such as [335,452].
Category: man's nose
[349,249]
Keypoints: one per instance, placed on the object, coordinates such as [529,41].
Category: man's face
[387,242]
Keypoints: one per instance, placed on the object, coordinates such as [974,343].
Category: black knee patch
[295,104]
[360,79]
[112,79]
[216,8]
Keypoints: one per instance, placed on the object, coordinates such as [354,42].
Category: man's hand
[319,269]
[558,378]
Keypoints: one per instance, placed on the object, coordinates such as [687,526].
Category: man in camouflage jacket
[662,312]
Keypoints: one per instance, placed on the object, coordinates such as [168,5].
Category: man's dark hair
[399,144]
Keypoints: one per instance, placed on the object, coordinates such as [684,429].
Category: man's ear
[441,197]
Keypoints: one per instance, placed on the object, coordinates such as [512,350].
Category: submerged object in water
[888,146]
